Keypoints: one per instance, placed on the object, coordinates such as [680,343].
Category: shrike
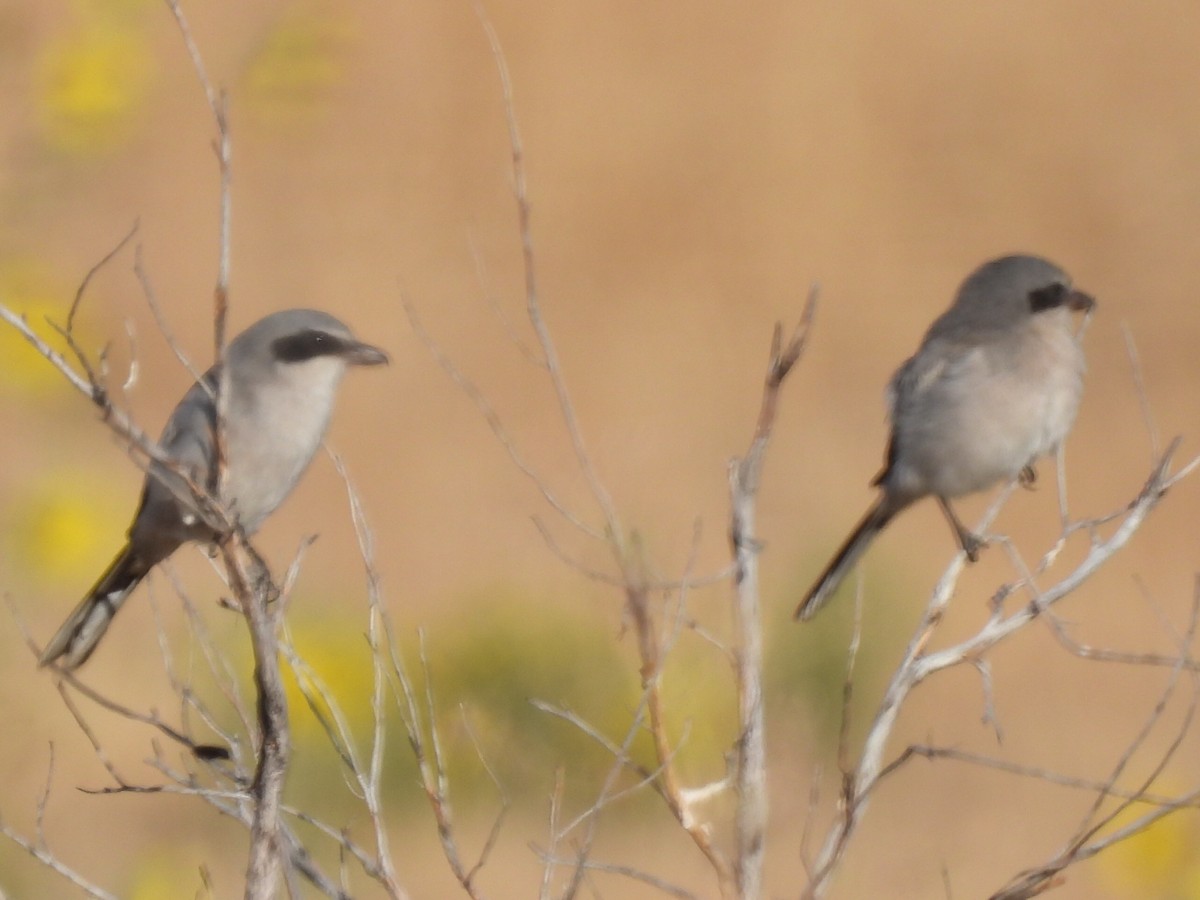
[994,386]
[282,379]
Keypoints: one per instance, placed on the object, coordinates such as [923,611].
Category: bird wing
[938,358]
[167,503]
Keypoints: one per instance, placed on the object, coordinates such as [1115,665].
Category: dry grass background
[693,166]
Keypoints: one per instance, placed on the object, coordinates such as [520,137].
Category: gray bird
[283,375]
[994,386]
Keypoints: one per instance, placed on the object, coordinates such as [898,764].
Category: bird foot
[1027,478]
[971,544]
[968,541]
[264,585]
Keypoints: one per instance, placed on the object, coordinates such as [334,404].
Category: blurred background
[693,167]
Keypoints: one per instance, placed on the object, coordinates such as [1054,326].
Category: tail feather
[843,562]
[74,642]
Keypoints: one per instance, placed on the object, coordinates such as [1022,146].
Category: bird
[995,385]
[280,377]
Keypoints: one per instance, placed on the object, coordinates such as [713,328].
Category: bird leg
[970,542]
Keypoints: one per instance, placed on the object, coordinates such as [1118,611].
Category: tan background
[692,168]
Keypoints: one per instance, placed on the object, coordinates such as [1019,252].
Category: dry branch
[750,768]
[859,780]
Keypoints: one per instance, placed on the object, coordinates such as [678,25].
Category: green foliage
[485,670]
[298,63]
[806,663]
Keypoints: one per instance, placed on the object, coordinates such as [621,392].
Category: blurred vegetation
[296,63]
[95,79]
[806,665]
[685,181]
[1160,863]
[485,674]
[28,287]
[61,527]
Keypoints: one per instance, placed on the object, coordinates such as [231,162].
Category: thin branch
[1037,773]
[604,796]
[1139,388]
[918,664]
[68,333]
[52,862]
[750,770]
[485,408]
[659,884]
[371,781]
[160,320]
[533,302]
[1085,843]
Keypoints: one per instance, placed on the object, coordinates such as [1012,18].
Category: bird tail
[855,546]
[74,642]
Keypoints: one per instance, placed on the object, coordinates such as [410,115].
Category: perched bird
[994,386]
[282,379]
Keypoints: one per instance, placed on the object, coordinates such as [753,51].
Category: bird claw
[1027,478]
[968,541]
[971,545]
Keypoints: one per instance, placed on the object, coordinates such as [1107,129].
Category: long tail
[74,642]
[855,546]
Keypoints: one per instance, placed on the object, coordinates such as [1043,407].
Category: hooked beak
[1079,301]
[356,353]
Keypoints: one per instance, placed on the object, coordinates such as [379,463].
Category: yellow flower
[296,65]
[62,530]
[93,84]
[336,653]
[27,289]
[1160,863]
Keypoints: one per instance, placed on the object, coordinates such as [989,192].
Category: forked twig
[750,768]
[918,663]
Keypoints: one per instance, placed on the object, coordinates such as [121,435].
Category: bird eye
[1048,297]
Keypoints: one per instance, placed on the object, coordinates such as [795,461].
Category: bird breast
[272,433]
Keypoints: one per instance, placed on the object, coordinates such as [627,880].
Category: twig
[917,664]
[603,797]
[1139,388]
[264,868]
[485,408]
[68,332]
[654,881]
[927,751]
[750,770]
[533,303]
[1084,844]
[52,862]
[160,320]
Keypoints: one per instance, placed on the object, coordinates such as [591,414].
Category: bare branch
[68,332]
[1139,388]
[264,868]
[493,420]
[52,862]
[654,881]
[1084,844]
[1037,773]
[918,664]
[533,302]
[750,771]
